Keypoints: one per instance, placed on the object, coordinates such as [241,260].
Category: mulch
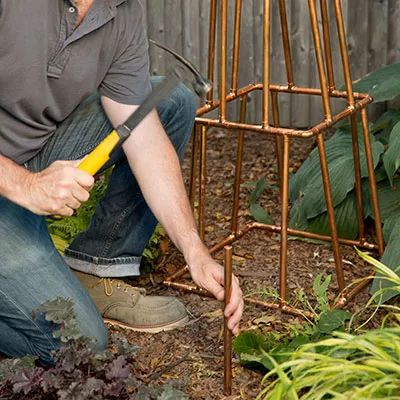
[192,357]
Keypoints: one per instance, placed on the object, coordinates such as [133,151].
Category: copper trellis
[356,104]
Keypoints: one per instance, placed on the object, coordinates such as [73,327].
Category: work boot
[128,307]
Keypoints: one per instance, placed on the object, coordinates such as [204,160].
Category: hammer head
[201,86]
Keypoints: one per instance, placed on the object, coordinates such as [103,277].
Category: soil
[192,357]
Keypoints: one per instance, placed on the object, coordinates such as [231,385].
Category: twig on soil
[158,374]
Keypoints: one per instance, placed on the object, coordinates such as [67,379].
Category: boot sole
[149,329]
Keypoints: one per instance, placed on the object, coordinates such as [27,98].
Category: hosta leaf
[260,215]
[307,182]
[391,158]
[345,214]
[391,258]
[387,120]
[332,319]
[382,85]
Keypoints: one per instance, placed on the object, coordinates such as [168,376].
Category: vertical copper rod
[357,176]
[236,46]
[284,219]
[343,51]
[331,213]
[193,166]
[353,119]
[202,188]
[372,181]
[320,61]
[211,46]
[278,138]
[286,42]
[227,332]
[223,60]
[266,61]
[238,167]
[327,44]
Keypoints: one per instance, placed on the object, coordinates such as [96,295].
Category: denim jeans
[32,271]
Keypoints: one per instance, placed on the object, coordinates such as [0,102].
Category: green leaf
[332,320]
[260,215]
[261,185]
[391,158]
[306,184]
[382,85]
[345,213]
[391,258]
[387,120]
[320,288]
[249,343]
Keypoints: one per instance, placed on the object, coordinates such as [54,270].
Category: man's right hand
[57,190]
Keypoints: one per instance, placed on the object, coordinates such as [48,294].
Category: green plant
[306,192]
[331,363]
[80,373]
[256,211]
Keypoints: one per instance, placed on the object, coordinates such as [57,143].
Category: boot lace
[109,285]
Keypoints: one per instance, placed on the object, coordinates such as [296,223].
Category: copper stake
[227,332]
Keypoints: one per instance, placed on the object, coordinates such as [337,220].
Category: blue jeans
[32,271]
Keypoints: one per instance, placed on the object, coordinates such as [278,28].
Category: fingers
[234,309]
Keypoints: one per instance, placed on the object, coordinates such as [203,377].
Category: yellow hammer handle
[99,156]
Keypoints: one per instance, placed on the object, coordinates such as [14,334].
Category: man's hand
[57,190]
[210,276]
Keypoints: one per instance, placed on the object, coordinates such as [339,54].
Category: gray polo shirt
[48,66]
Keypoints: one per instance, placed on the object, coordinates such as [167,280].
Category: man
[67,68]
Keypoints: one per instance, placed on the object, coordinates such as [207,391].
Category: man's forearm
[154,161]
[155,164]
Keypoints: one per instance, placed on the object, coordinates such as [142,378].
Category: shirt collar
[113,3]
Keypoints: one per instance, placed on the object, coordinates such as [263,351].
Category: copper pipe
[280,307]
[331,213]
[320,61]
[236,46]
[238,167]
[282,89]
[343,51]
[188,288]
[357,176]
[345,297]
[284,220]
[327,44]
[227,332]
[286,42]
[211,46]
[178,274]
[266,61]
[319,128]
[307,235]
[372,181]
[278,139]
[223,59]
[193,166]
[203,177]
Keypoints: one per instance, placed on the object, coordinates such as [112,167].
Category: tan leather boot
[128,307]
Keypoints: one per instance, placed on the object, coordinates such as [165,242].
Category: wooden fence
[373,31]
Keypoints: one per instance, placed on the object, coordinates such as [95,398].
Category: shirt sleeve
[128,78]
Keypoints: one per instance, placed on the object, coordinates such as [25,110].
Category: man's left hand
[209,275]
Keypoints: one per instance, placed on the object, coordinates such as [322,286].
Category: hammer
[101,154]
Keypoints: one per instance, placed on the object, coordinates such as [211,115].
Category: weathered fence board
[373,35]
